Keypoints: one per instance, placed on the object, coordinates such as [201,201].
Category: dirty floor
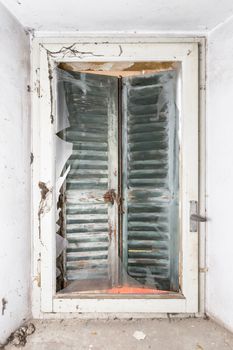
[162,334]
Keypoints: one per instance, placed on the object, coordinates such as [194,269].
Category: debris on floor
[19,337]
[118,334]
[199,347]
[139,335]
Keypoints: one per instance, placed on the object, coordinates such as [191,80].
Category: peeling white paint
[46,199]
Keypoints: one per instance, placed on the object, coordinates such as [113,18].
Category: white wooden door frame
[45,55]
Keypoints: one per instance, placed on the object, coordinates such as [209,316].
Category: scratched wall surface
[14,174]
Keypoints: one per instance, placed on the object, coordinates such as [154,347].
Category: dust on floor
[132,334]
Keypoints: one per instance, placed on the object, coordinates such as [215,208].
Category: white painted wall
[220,174]
[120,16]
[14,174]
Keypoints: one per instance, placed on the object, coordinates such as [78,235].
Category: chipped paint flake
[45,203]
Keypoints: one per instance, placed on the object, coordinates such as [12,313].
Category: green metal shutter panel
[150,180]
[148,246]
[92,106]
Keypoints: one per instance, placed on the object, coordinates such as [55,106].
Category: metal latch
[110,196]
[195,217]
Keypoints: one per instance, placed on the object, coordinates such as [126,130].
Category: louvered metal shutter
[92,106]
[150,180]
[148,244]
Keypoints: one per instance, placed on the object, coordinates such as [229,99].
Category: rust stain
[110,196]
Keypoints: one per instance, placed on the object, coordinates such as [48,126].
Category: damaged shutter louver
[88,98]
[150,180]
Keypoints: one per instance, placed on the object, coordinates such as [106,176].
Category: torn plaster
[46,199]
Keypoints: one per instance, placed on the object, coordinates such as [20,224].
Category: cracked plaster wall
[14,174]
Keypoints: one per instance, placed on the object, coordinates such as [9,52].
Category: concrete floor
[162,334]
